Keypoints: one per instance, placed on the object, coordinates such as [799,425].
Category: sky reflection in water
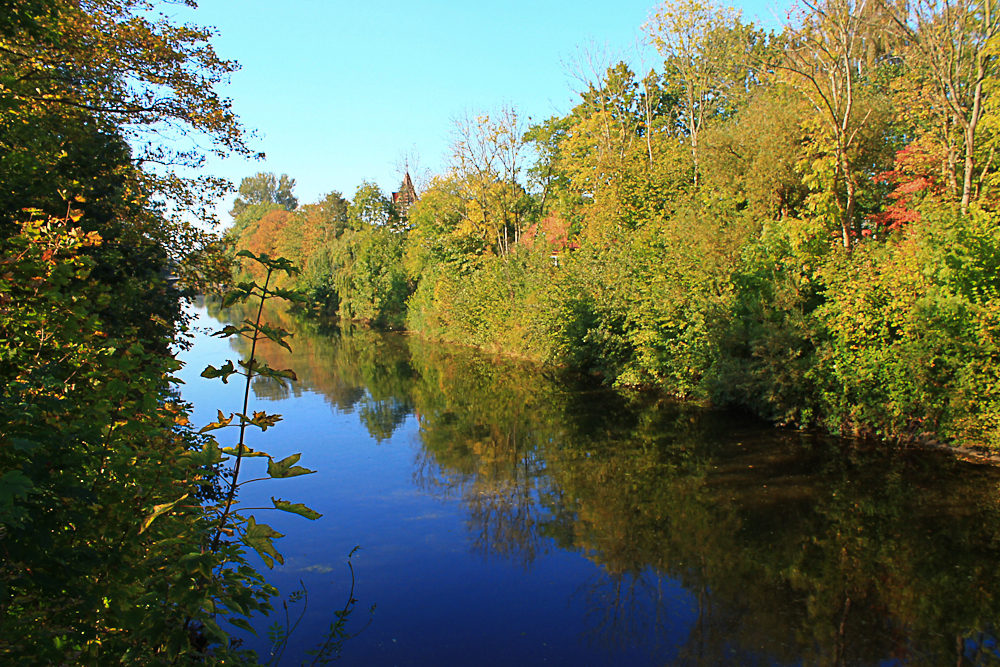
[509,515]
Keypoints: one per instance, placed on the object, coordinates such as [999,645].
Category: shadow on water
[717,541]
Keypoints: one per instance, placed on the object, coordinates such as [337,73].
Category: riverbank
[898,335]
[550,517]
[973,453]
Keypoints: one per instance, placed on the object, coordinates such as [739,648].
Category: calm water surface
[511,516]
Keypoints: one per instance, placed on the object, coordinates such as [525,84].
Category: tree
[753,157]
[620,149]
[487,155]
[439,234]
[88,91]
[328,214]
[265,188]
[707,55]
[114,63]
[547,177]
[824,58]
[370,208]
[609,103]
[951,49]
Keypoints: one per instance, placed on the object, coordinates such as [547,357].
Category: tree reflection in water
[718,541]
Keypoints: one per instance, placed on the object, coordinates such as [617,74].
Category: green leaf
[286,468]
[230,330]
[242,624]
[250,366]
[295,508]
[157,511]
[229,298]
[212,372]
[246,452]
[277,334]
[272,263]
[116,387]
[213,631]
[258,537]
[261,420]
[26,446]
[284,374]
[209,455]
[290,295]
[14,484]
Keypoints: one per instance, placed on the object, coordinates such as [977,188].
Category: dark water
[511,516]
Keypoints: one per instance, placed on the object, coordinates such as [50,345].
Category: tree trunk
[950,167]
[970,135]
[847,221]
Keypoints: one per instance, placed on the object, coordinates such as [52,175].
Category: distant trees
[264,188]
[351,251]
[788,222]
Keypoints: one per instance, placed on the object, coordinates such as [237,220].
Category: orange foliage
[915,174]
[266,236]
[554,230]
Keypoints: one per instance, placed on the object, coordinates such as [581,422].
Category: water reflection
[718,542]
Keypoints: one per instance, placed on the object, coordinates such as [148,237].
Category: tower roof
[407,194]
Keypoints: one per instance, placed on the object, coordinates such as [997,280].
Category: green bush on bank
[894,338]
[105,542]
[505,305]
[909,333]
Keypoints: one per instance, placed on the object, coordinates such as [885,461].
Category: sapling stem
[234,484]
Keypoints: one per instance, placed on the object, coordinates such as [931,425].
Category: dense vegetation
[798,223]
[117,541]
[790,547]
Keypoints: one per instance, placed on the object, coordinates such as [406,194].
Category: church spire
[406,196]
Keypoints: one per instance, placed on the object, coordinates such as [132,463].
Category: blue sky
[338,91]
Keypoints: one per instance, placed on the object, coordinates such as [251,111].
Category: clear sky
[338,91]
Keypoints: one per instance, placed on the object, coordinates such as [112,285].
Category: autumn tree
[487,155]
[825,58]
[607,117]
[88,91]
[612,134]
[950,51]
[707,54]
[118,65]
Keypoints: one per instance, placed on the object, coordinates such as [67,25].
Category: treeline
[801,223]
[106,539]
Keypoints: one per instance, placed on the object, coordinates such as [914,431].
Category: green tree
[753,157]
[264,188]
[708,54]
[370,208]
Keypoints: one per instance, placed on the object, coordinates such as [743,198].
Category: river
[510,514]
